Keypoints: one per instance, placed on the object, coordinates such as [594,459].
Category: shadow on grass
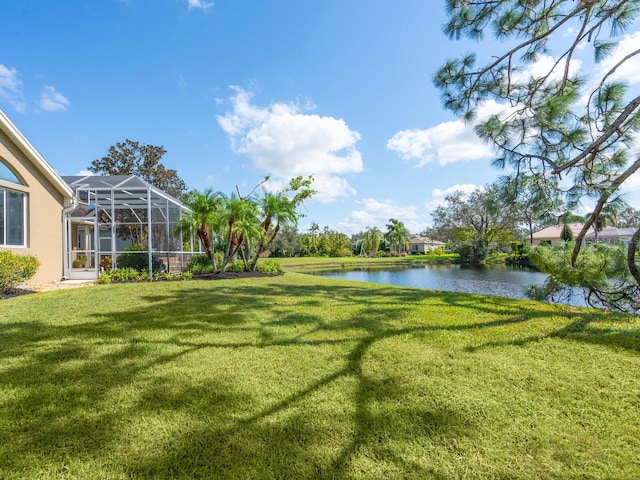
[75,390]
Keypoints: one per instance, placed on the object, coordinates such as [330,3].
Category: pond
[499,281]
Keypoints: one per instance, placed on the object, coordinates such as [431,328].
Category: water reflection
[499,281]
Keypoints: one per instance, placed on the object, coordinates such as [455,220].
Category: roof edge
[36,158]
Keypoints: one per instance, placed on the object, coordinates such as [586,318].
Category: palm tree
[274,206]
[371,240]
[608,216]
[203,209]
[397,235]
[239,223]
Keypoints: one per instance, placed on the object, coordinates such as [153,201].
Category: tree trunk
[205,239]
[631,256]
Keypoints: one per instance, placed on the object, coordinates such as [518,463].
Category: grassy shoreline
[300,263]
[306,377]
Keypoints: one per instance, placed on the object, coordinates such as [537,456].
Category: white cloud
[284,142]
[10,90]
[456,141]
[631,190]
[376,213]
[445,143]
[84,173]
[52,100]
[543,65]
[438,194]
[201,4]
[629,70]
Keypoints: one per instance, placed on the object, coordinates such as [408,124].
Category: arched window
[7,174]
[12,211]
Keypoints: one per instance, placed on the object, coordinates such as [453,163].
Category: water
[498,281]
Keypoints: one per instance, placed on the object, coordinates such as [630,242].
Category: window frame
[4,243]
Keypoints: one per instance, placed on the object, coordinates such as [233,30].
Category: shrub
[136,257]
[202,264]
[235,267]
[79,262]
[269,266]
[122,275]
[177,276]
[15,269]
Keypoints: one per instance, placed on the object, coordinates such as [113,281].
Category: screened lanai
[122,221]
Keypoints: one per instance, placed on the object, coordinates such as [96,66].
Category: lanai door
[81,262]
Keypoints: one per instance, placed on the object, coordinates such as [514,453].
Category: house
[77,226]
[611,235]
[552,235]
[419,244]
[33,198]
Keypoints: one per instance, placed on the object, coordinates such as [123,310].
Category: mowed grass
[305,377]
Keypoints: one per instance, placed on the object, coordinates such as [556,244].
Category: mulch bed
[229,275]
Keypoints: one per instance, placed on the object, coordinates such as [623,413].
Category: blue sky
[237,89]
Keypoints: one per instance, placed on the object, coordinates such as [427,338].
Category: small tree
[371,241]
[566,234]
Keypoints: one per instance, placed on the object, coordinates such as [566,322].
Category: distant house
[76,226]
[611,235]
[419,244]
[552,235]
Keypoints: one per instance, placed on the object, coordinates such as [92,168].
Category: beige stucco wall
[44,212]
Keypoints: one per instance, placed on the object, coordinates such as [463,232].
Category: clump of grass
[305,377]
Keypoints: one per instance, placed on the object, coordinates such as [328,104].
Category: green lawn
[306,377]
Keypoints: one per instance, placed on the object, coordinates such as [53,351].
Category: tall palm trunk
[205,239]
[262,246]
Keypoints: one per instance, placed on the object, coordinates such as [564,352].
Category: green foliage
[235,267]
[269,266]
[203,220]
[397,235]
[473,221]
[133,158]
[371,240]
[600,273]
[131,275]
[566,235]
[325,243]
[202,264]
[123,275]
[569,128]
[16,269]
[79,261]
[473,252]
[137,258]
[519,255]
[287,243]
[176,276]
